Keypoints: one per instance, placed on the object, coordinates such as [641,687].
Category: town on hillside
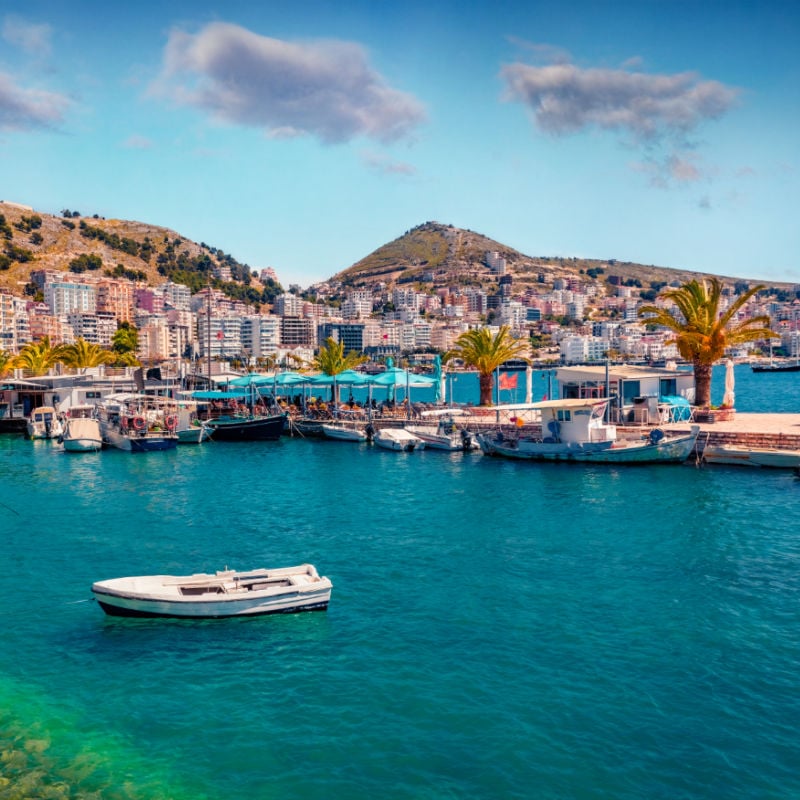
[568,318]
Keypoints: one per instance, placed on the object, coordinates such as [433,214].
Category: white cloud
[33,39]
[565,99]
[325,89]
[26,109]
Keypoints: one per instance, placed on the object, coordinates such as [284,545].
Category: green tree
[479,349]
[125,339]
[38,357]
[331,358]
[6,363]
[83,354]
[702,331]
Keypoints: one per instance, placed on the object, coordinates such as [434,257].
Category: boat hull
[751,457]
[398,440]
[344,434]
[194,435]
[226,594]
[252,429]
[674,450]
[82,435]
[82,445]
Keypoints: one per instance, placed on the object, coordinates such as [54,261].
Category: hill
[30,240]
[445,255]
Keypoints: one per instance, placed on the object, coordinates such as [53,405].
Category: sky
[302,136]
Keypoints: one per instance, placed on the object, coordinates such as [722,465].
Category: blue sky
[302,136]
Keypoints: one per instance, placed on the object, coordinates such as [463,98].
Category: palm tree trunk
[486,382]
[702,383]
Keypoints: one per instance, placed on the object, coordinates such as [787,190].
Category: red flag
[220,335]
[508,380]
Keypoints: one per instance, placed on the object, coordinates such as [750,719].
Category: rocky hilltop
[442,254]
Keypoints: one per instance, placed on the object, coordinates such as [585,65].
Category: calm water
[497,630]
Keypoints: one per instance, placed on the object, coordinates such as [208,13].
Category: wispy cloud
[652,110]
[137,142]
[325,89]
[388,166]
[32,38]
[26,109]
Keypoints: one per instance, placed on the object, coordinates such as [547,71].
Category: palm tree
[38,357]
[479,349]
[83,354]
[6,363]
[125,339]
[703,332]
[332,359]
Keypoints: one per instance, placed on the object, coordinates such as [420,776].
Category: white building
[65,297]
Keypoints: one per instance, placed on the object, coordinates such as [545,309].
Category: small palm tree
[479,349]
[38,357]
[125,339]
[83,354]
[332,359]
[703,332]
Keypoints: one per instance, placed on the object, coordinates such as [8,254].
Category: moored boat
[345,431]
[247,427]
[398,439]
[445,433]
[137,423]
[81,431]
[574,430]
[227,593]
[44,423]
[740,455]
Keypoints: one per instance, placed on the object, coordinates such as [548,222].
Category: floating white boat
[227,593]
[190,428]
[574,430]
[398,439]
[81,431]
[344,431]
[445,433]
[752,456]
[44,423]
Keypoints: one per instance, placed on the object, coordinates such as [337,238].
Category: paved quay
[754,430]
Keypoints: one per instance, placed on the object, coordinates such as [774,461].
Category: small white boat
[44,423]
[752,456]
[574,430]
[344,431]
[398,439]
[81,431]
[227,593]
[445,433]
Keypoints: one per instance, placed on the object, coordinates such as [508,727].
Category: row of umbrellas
[392,377]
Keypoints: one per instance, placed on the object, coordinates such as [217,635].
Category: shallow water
[496,629]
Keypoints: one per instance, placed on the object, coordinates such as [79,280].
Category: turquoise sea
[496,630]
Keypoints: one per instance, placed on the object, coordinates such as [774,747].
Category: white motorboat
[138,423]
[445,433]
[574,430]
[751,456]
[44,423]
[227,593]
[81,431]
[345,431]
[398,439]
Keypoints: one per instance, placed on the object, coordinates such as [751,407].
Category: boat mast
[208,334]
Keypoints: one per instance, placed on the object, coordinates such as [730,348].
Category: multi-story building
[67,297]
[177,296]
[298,331]
[116,297]
[288,305]
[8,322]
[349,334]
[261,335]
[221,337]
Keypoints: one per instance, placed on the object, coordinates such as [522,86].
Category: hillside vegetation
[30,240]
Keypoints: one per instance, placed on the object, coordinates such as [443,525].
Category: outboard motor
[370,431]
[466,439]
